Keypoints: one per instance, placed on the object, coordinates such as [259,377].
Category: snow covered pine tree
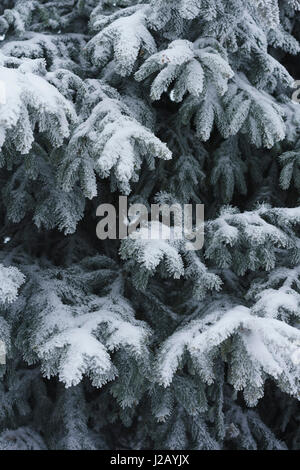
[145,345]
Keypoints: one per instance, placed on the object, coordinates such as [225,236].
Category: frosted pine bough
[146,345]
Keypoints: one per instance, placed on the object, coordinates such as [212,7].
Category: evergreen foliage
[144,344]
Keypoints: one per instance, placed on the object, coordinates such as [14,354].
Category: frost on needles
[143,344]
